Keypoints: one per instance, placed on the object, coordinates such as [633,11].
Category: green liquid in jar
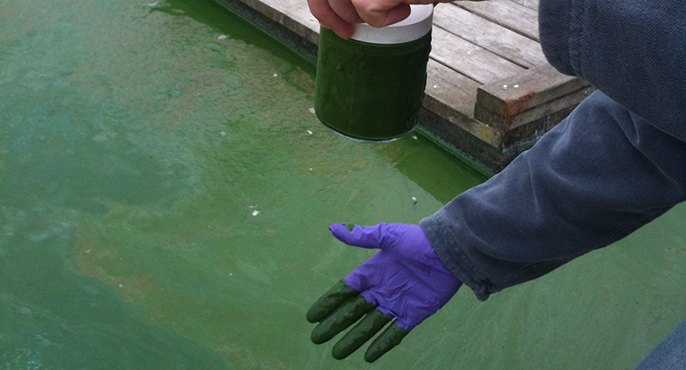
[370,92]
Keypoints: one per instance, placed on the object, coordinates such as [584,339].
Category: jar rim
[414,27]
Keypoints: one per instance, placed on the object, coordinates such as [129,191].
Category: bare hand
[341,16]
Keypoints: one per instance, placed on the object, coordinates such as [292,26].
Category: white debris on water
[222,37]
[516,86]
[504,87]
[312,111]
[255,212]
[223,133]
[414,137]
[309,132]
[276,75]
[414,200]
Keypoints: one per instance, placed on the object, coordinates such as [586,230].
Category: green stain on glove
[342,318]
[330,301]
[390,338]
[360,334]
[339,308]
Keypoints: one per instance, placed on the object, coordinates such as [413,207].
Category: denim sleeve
[616,163]
[599,175]
[632,50]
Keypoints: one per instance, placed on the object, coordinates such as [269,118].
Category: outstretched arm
[612,166]
[601,174]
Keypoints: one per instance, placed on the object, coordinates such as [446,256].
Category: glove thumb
[368,237]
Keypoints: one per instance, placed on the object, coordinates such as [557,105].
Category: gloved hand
[406,280]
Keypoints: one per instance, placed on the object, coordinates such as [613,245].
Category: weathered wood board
[532,4]
[495,38]
[504,123]
[470,59]
[446,91]
[499,101]
[294,15]
[506,13]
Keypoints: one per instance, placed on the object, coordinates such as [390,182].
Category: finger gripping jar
[370,87]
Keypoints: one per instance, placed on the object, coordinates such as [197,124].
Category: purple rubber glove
[406,280]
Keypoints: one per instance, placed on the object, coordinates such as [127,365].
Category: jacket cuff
[447,249]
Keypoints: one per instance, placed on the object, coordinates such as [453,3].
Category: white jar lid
[414,27]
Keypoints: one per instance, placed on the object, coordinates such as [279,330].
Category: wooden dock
[490,93]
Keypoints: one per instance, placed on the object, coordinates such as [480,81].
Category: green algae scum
[165,193]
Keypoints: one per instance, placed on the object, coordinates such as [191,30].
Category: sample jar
[370,87]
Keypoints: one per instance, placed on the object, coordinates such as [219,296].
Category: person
[614,164]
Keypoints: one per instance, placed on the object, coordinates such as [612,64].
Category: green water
[134,148]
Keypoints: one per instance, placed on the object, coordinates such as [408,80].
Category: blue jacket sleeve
[632,50]
[609,168]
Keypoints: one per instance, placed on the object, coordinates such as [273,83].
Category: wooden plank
[510,45]
[543,110]
[531,4]
[461,144]
[452,96]
[451,87]
[516,94]
[506,13]
[507,123]
[469,59]
[533,130]
[294,15]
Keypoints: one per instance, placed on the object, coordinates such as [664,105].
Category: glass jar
[370,87]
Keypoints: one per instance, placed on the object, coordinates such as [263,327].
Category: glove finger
[344,316]
[330,301]
[359,236]
[361,333]
[390,338]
